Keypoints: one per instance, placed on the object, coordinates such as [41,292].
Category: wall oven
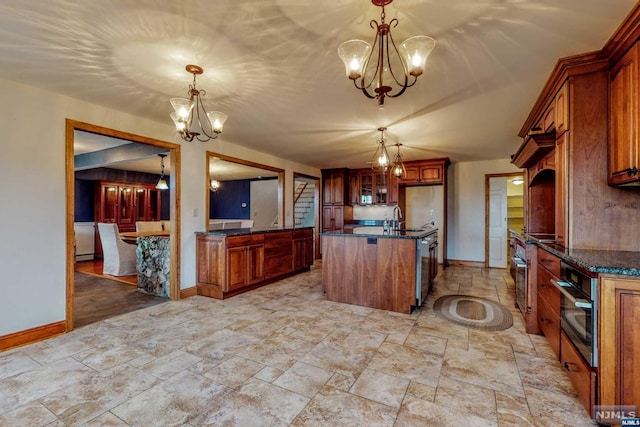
[579,311]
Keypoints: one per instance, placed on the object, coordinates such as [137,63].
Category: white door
[498,222]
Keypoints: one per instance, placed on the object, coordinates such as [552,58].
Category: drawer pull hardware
[568,365]
[545,321]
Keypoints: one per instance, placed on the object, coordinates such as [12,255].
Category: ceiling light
[208,123]
[214,185]
[517,181]
[383,69]
[398,168]
[162,183]
[380,160]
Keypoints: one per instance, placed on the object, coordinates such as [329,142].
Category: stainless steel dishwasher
[422,270]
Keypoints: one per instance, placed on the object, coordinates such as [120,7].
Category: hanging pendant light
[381,69]
[380,160]
[214,185]
[208,123]
[398,168]
[162,183]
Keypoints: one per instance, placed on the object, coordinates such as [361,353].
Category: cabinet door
[125,212]
[236,268]
[141,203]
[255,264]
[366,189]
[561,214]
[308,251]
[327,218]
[381,181]
[298,254]
[338,218]
[412,175]
[153,204]
[623,119]
[431,174]
[354,188]
[562,109]
[109,204]
[392,190]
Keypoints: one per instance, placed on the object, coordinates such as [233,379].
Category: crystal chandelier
[380,160]
[398,168]
[382,69]
[209,123]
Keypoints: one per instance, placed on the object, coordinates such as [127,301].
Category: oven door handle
[578,302]
[519,262]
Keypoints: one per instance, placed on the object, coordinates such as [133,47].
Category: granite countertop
[379,233]
[247,231]
[594,260]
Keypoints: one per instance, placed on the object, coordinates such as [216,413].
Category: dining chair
[230,225]
[119,257]
[166,225]
[146,226]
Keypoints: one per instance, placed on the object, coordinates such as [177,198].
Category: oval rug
[478,313]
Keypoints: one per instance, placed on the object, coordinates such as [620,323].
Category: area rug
[474,312]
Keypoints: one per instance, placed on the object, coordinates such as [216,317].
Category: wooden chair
[145,226]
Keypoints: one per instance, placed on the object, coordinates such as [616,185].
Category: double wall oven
[579,311]
[519,264]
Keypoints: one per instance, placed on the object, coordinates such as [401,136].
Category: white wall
[420,202]
[466,207]
[264,206]
[32,170]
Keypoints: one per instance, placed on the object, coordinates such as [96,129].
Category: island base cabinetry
[371,272]
[228,266]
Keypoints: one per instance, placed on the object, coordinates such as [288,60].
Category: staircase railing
[299,192]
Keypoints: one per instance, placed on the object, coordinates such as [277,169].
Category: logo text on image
[613,414]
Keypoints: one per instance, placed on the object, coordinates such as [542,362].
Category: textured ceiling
[272,66]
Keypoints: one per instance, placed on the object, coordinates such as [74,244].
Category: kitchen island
[384,270]
[230,262]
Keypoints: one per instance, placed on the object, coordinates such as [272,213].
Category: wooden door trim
[72,125]
[317,182]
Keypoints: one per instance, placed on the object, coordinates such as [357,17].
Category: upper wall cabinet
[335,185]
[425,172]
[623,123]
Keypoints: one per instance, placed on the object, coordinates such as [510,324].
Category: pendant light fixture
[162,183]
[382,69]
[208,124]
[380,160]
[398,168]
[214,185]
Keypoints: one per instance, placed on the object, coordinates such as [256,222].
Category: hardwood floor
[99,296]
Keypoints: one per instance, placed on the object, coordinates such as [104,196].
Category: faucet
[397,214]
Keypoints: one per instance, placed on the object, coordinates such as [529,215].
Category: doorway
[306,206]
[504,196]
[174,206]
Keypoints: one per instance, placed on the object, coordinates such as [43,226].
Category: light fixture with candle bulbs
[208,124]
[382,69]
[214,185]
[398,168]
[380,160]
[162,182]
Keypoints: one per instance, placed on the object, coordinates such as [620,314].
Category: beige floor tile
[380,387]
[234,371]
[556,407]
[468,397]
[416,412]
[106,420]
[543,374]
[422,391]
[169,365]
[32,414]
[303,379]
[409,363]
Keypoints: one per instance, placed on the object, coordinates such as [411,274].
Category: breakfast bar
[389,270]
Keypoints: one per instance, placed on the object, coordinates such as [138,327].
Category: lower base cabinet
[581,375]
[231,265]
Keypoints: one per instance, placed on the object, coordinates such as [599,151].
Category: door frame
[316,209]
[73,125]
[487,178]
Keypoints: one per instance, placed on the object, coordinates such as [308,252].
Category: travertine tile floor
[283,355]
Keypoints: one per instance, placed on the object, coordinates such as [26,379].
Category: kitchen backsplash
[373,212]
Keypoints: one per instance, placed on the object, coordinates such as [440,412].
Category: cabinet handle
[543,286]
[544,321]
[568,365]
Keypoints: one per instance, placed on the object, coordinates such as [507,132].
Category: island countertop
[412,233]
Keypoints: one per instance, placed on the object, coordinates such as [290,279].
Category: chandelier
[380,159]
[398,168]
[162,183]
[209,123]
[384,69]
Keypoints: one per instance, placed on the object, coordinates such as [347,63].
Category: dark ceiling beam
[121,153]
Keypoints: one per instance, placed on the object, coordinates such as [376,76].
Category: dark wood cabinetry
[624,154]
[227,266]
[124,204]
[334,217]
[580,374]
[549,298]
[375,188]
[335,187]
[425,172]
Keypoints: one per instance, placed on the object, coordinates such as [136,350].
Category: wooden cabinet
[623,120]
[562,109]
[124,204]
[548,309]
[619,341]
[245,261]
[580,374]
[334,217]
[302,248]
[227,266]
[376,188]
[335,187]
[425,172]
[354,188]
[561,217]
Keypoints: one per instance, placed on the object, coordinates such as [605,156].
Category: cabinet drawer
[547,290]
[580,374]
[549,261]
[298,234]
[278,265]
[278,243]
[549,323]
[250,239]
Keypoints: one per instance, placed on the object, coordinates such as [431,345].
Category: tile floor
[283,355]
